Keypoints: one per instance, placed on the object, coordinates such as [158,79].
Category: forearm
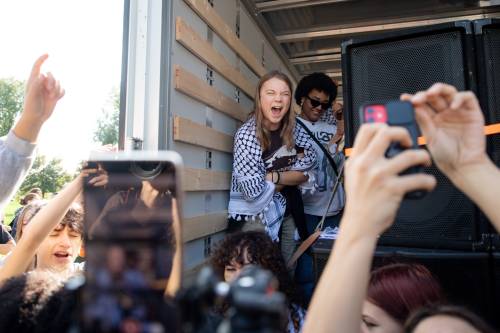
[291,178]
[342,288]
[40,227]
[28,129]
[481,183]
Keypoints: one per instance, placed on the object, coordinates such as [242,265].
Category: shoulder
[299,131]
[248,127]
[328,117]
[246,133]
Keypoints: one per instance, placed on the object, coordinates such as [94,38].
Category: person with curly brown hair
[255,247]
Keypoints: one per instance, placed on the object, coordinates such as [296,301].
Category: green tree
[11,103]
[48,175]
[107,124]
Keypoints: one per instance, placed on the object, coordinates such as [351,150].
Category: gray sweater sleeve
[16,157]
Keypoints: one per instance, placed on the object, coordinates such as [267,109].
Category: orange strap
[488,130]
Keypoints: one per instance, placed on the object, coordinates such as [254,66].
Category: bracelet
[278,181]
[272,177]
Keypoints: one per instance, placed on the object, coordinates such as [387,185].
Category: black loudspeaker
[383,68]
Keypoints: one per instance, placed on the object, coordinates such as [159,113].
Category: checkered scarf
[251,195]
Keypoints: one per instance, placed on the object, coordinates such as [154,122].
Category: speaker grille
[382,71]
[491,38]
[444,218]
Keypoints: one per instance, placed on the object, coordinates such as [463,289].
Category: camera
[395,113]
[254,304]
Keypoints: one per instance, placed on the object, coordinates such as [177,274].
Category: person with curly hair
[315,94]
[254,247]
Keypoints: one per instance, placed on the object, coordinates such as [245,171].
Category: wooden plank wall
[199,131]
[197,134]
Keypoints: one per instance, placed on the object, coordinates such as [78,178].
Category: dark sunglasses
[315,103]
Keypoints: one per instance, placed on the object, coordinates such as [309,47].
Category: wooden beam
[328,33]
[196,88]
[191,132]
[316,52]
[217,24]
[315,59]
[203,225]
[205,180]
[185,35]
[267,6]
[334,74]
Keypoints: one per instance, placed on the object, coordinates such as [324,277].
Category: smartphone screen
[130,245]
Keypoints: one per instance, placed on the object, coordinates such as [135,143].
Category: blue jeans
[304,274]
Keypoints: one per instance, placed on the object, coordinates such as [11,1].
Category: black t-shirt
[5,236]
[277,157]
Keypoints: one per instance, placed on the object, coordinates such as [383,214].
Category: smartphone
[131,238]
[395,113]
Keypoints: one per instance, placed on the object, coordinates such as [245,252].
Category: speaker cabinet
[408,61]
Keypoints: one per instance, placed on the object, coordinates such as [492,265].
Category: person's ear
[302,101]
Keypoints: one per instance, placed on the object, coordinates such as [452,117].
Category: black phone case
[399,113]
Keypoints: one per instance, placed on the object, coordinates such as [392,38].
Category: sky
[84,41]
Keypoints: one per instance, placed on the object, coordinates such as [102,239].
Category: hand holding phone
[395,113]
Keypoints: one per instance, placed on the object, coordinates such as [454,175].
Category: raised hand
[42,93]
[452,123]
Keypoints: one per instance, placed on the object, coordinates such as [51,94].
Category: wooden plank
[185,35]
[217,24]
[190,275]
[196,88]
[203,225]
[205,180]
[315,59]
[188,131]
[332,32]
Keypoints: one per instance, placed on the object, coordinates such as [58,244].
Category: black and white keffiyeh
[251,195]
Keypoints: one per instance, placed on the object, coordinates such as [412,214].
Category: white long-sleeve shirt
[16,157]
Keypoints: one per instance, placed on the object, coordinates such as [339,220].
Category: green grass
[10,210]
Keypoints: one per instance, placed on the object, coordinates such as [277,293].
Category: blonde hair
[288,121]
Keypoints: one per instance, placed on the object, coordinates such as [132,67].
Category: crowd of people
[287,181]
